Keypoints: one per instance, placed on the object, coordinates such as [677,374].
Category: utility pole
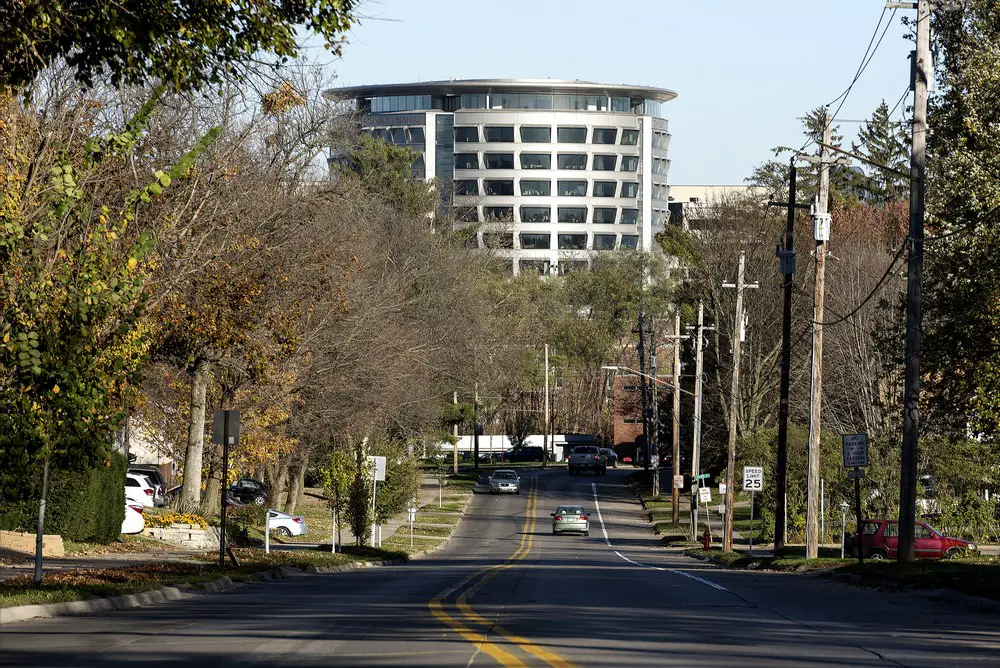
[821,233]
[654,431]
[696,444]
[545,433]
[475,428]
[786,263]
[734,396]
[454,455]
[643,385]
[675,493]
[914,287]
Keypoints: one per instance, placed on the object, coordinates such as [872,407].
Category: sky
[744,72]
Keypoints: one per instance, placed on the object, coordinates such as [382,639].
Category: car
[287,525]
[611,456]
[527,453]
[134,521]
[587,458]
[880,540]
[138,489]
[505,481]
[570,518]
[250,491]
[155,477]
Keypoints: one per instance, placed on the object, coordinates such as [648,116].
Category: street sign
[855,450]
[857,473]
[722,488]
[377,466]
[753,478]
[703,476]
[220,426]
[705,494]
[678,482]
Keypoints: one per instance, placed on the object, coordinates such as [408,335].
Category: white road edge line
[604,530]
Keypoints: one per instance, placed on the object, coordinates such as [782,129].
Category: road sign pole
[857,513]
[225,479]
[751,523]
[267,531]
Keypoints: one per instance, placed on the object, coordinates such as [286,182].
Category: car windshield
[504,475]
[869,528]
[586,450]
[570,510]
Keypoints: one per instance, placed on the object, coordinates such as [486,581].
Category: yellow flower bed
[169,519]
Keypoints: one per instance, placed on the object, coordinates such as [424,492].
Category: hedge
[82,505]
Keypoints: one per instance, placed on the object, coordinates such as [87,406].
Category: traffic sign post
[678,482]
[753,481]
[856,457]
[376,465]
[225,432]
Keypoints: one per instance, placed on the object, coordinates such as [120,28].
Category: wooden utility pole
[654,418]
[545,433]
[914,288]
[821,233]
[644,387]
[454,454]
[675,494]
[696,444]
[734,397]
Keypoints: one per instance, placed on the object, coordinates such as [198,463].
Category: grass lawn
[977,576]
[402,543]
[429,532]
[124,544]
[425,518]
[83,584]
[790,560]
[450,506]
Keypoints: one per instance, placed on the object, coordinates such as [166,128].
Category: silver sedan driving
[570,518]
[505,481]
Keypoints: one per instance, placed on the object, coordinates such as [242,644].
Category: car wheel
[283,532]
[586,533]
[953,553]
[259,500]
[878,555]
[518,492]
[555,533]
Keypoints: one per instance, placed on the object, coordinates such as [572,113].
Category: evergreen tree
[883,141]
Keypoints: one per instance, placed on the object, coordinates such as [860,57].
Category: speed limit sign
[753,478]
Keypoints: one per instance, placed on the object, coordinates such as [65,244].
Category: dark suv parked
[248,490]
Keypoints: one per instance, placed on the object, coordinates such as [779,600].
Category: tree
[884,142]
[186,43]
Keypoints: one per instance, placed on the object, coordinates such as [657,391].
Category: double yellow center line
[469,586]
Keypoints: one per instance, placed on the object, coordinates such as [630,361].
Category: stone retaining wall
[187,536]
[24,543]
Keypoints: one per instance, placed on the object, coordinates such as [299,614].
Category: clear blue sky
[744,71]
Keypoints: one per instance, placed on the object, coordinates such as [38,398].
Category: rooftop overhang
[479,86]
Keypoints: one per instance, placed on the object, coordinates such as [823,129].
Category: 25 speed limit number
[753,478]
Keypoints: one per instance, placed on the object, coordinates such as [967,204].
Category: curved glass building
[554,169]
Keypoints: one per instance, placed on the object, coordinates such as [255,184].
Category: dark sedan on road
[249,491]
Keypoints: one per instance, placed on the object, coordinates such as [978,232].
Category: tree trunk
[280,491]
[211,501]
[298,485]
[191,489]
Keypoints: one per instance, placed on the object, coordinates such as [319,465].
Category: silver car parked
[570,518]
[505,481]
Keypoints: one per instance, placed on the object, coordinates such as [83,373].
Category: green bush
[82,505]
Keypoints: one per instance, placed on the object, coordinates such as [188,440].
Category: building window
[539,266]
[572,188]
[466,214]
[536,135]
[660,217]
[605,135]
[536,161]
[604,242]
[397,135]
[467,187]
[605,188]
[572,135]
[536,214]
[630,137]
[630,163]
[652,108]
[536,241]
[605,215]
[417,168]
[605,163]
[620,104]
[498,240]
[466,134]
[630,241]
[466,161]
[572,161]
[494,187]
[416,135]
[580,102]
[504,213]
[536,188]
[473,102]
[630,189]
[499,160]
[660,140]
[499,133]
[572,214]
[661,165]
[630,216]
[573,242]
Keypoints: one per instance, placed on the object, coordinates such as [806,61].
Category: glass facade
[630,163]
[536,214]
[505,213]
[605,135]
[536,135]
[573,242]
[444,155]
[630,137]
[467,187]
[605,215]
[620,104]
[466,160]
[604,241]
[630,189]
[499,160]
[630,216]
[536,241]
[472,101]
[498,187]
[572,214]
[572,188]
[466,134]
[661,165]
[571,161]
[536,188]
[630,241]
[605,163]
[605,188]
[567,135]
[499,133]
[536,161]
[400,103]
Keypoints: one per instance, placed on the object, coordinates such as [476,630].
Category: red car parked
[880,539]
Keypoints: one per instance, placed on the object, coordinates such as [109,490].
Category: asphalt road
[507,591]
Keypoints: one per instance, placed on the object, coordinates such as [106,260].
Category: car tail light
[148,492]
[584,517]
[558,517]
[137,509]
[595,457]
[298,520]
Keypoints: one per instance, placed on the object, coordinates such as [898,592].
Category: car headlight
[971,546]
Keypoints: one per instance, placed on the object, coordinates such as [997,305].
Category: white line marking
[597,506]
